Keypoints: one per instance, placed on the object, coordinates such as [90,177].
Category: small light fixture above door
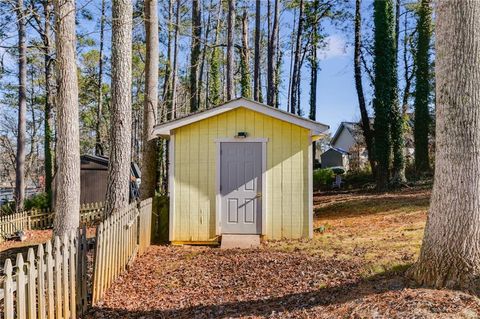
[241,135]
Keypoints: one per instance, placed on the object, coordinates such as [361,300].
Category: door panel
[240,187]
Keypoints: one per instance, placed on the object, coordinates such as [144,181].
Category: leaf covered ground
[353,268]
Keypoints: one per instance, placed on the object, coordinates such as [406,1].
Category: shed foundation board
[240,241]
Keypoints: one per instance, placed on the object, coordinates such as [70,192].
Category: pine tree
[245,59]
[422,88]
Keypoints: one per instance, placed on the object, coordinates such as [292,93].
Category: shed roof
[164,129]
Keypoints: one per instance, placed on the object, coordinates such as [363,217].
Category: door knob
[259,195]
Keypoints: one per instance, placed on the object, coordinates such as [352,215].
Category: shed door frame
[218,197]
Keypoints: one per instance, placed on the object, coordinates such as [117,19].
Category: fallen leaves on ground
[199,282]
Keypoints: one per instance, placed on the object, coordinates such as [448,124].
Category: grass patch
[383,231]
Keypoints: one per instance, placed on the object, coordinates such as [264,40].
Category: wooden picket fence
[119,239]
[10,224]
[51,284]
[43,219]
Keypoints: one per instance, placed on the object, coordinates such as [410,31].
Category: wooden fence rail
[43,219]
[50,284]
[119,239]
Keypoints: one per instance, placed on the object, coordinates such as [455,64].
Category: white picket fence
[50,283]
[53,283]
[90,213]
[119,239]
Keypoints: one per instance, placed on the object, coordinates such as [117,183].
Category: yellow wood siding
[286,176]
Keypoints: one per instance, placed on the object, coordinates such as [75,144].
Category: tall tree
[422,88]
[396,118]
[49,99]
[67,194]
[245,82]
[295,86]
[230,50]
[149,158]
[215,81]
[449,255]
[22,107]
[366,129]
[175,62]
[121,109]
[384,90]
[271,58]
[256,62]
[195,54]
[98,125]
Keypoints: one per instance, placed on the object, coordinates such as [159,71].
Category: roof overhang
[316,128]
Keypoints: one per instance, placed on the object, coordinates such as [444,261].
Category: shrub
[323,178]
[37,201]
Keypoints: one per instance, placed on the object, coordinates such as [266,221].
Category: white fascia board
[166,128]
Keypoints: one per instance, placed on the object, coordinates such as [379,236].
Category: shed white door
[240,187]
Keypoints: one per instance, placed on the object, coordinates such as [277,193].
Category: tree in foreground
[22,108]
[422,88]
[149,158]
[450,254]
[67,194]
[121,108]
[384,62]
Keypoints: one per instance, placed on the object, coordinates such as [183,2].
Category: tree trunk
[203,59]
[22,108]
[230,50]
[175,63]
[98,125]
[450,255]
[49,101]
[422,89]
[245,58]
[296,63]
[215,81]
[384,87]
[121,118]
[366,129]
[149,158]
[195,54]
[67,188]
[256,63]
[271,59]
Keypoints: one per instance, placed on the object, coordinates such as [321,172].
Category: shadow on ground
[290,305]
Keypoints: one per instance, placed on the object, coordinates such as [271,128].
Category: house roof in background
[164,129]
[350,126]
[338,150]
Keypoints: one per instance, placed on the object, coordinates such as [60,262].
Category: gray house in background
[335,157]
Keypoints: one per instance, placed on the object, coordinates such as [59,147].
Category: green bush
[323,178]
[160,222]
[38,201]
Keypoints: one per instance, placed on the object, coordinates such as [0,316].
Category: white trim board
[218,196]
[171,187]
[165,129]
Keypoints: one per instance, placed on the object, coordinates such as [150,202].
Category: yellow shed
[241,168]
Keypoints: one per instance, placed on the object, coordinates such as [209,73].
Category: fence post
[31,285]
[41,282]
[21,313]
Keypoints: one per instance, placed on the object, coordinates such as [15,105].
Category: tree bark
[195,54]
[366,129]
[245,58]
[230,50]
[98,125]
[22,108]
[67,194]
[256,62]
[149,158]
[450,254]
[271,59]
[422,89]
[120,131]
[296,62]
[49,100]
[175,63]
